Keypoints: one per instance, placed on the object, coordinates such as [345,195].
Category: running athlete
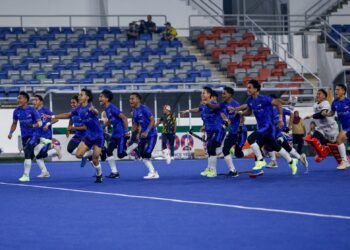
[29,121]
[143,122]
[44,133]
[341,105]
[262,108]
[213,127]
[282,139]
[93,138]
[119,133]
[326,127]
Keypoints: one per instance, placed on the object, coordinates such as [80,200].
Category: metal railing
[319,8]
[209,8]
[73,20]
[303,69]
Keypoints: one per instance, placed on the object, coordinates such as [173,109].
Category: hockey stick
[196,136]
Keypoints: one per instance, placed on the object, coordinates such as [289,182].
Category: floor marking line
[335,216]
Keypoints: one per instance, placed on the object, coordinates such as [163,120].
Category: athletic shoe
[24,178]
[113,175]
[99,179]
[303,160]
[45,141]
[293,166]
[343,165]
[83,162]
[205,172]
[172,158]
[259,165]
[166,155]
[58,151]
[152,175]
[256,173]
[211,173]
[232,174]
[45,174]
[272,164]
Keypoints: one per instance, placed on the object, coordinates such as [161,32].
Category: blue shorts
[147,145]
[216,136]
[119,143]
[90,142]
[30,140]
[76,139]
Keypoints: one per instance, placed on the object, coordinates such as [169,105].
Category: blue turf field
[195,212]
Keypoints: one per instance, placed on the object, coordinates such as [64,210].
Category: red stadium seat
[232,44]
[231,67]
[215,53]
[264,74]
[281,65]
[277,72]
[245,65]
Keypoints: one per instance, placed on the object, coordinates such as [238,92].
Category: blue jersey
[285,112]
[41,132]
[233,117]
[142,115]
[113,113]
[211,118]
[77,122]
[263,112]
[90,120]
[27,117]
[342,107]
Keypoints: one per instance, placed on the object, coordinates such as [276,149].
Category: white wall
[177,11]
[334,19]
[47,7]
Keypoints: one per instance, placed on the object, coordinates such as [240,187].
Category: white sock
[112,164]
[247,152]
[131,148]
[27,166]
[285,155]
[88,153]
[149,165]
[229,162]
[98,169]
[212,162]
[74,151]
[51,152]
[41,165]
[38,148]
[256,149]
[342,152]
[295,153]
[273,156]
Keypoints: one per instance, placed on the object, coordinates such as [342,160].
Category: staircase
[332,9]
[217,75]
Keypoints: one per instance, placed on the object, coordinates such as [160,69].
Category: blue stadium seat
[53,74]
[156,73]
[176,44]
[66,30]
[105,74]
[91,74]
[73,66]
[124,80]
[145,37]
[21,66]
[175,79]
[114,30]
[139,80]
[111,66]
[205,73]
[142,73]
[54,30]
[3,75]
